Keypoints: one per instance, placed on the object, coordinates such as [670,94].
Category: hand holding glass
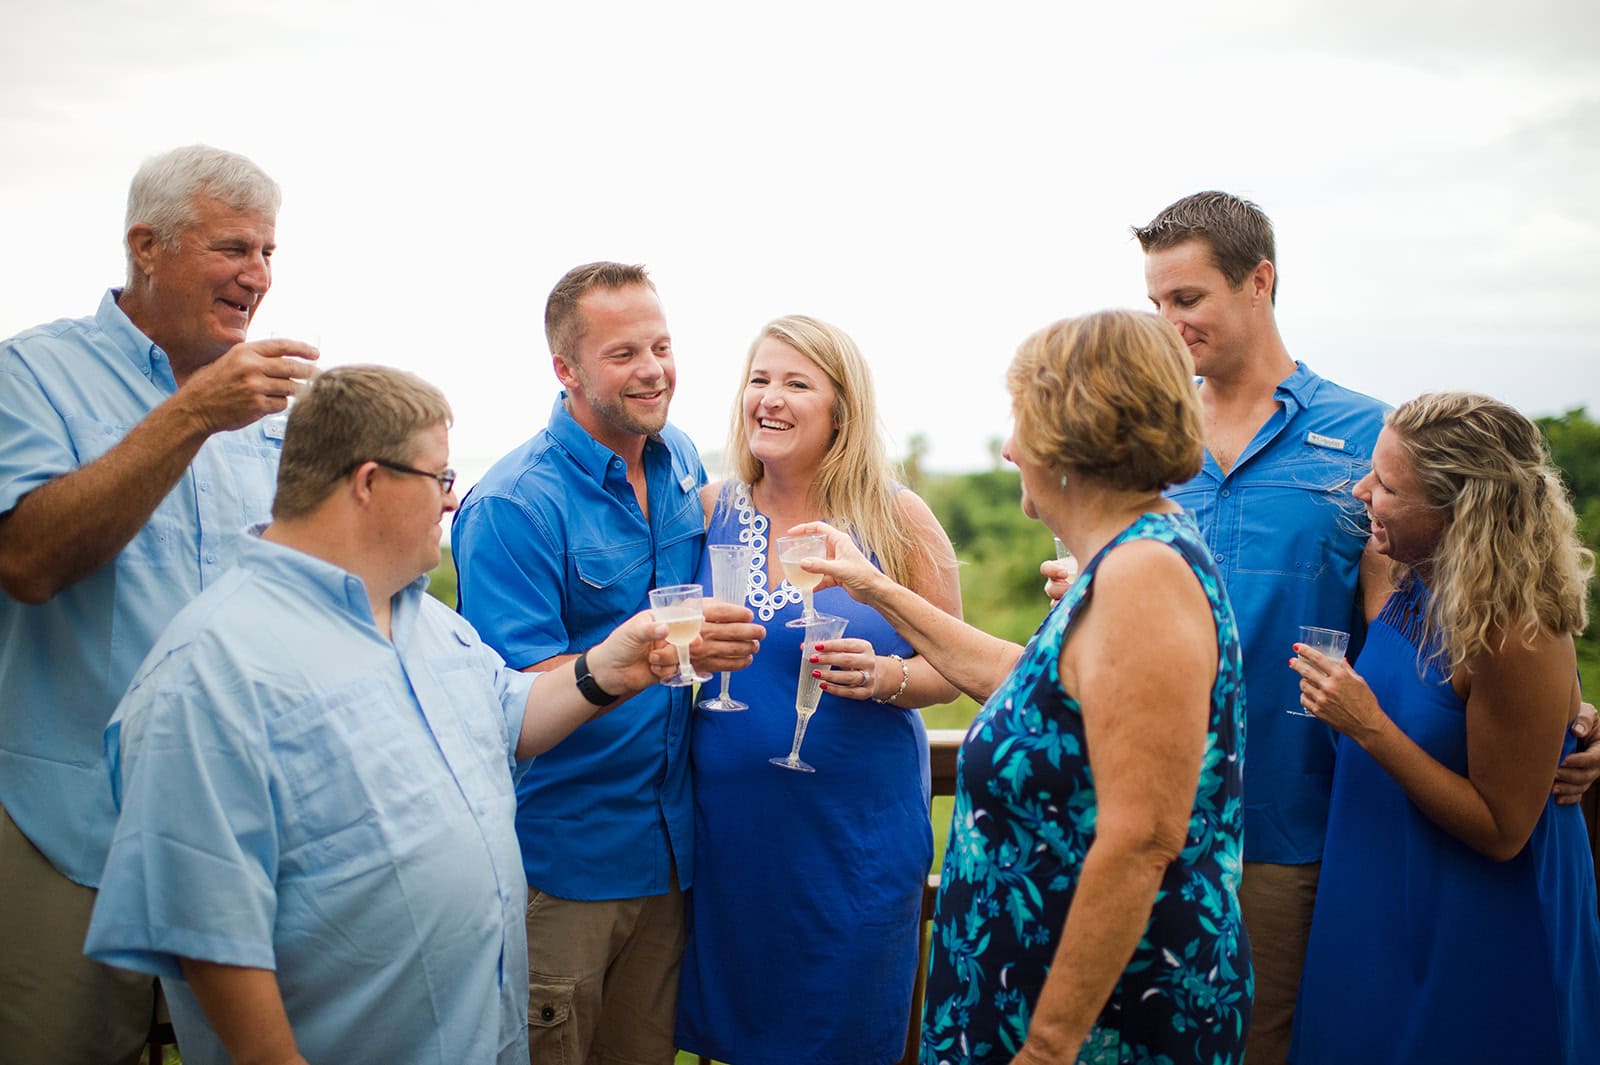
[677,606]
[1066,558]
[809,691]
[730,580]
[1330,642]
[792,550]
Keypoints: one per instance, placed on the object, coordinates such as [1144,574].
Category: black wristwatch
[588,687]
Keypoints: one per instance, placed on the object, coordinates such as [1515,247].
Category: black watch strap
[587,686]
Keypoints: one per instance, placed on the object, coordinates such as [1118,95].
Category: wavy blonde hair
[853,487]
[1509,559]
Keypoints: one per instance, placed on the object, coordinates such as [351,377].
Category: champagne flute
[792,550]
[1066,558]
[678,607]
[730,581]
[1330,642]
[809,691]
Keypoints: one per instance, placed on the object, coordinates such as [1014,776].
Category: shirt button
[1219,556]
[1226,492]
[547,1014]
[205,486]
[211,559]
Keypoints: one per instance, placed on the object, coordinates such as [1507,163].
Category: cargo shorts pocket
[550,1034]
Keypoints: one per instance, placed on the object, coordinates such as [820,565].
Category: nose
[1007,447]
[1363,488]
[452,502]
[255,273]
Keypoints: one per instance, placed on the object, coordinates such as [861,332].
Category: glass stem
[685,667]
[726,695]
[799,736]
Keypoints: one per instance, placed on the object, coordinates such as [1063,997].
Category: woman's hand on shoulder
[1581,768]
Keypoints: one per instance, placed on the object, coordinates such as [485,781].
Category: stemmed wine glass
[792,550]
[678,607]
[809,693]
[730,581]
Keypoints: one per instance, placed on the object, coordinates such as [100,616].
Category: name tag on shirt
[1318,440]
[273,426]
[686,482]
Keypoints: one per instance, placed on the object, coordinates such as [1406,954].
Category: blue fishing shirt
[300,794]
[552,553]
[1287,535]
[69,391]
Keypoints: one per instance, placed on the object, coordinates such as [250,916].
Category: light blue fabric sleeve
[194,858]
[512,580]
[35,446]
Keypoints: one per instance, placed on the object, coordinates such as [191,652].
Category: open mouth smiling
[775,426]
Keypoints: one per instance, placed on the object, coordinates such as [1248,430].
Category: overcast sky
[937,179]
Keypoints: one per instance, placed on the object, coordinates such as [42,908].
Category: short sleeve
[511,578]
[193,861]
[35,444]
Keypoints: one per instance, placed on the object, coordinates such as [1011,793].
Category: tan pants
[603,979]
[1276,901]
[56,1004]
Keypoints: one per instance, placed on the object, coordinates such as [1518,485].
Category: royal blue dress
[803,919]
[1024,817]
[1421,948]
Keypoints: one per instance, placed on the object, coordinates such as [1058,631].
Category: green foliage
[1574,441]
[442,581]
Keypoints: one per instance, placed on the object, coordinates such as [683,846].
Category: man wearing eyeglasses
[315,769]
[135,446]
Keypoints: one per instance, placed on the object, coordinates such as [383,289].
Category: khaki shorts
[56,1004]
[1276,901]
[603,979]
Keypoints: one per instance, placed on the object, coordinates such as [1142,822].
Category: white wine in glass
[792,550]
[809,691]
[678,607]
[730,581]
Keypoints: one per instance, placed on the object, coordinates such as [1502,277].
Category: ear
[564,373]
[1260,281]
[361,482]
[145,246]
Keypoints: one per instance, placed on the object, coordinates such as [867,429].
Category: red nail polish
[816,673]
[814,658]
[823,686]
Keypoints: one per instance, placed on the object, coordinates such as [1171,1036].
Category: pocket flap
[549,1001]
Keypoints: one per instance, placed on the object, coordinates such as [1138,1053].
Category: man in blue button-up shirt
[563,538]
[315,765]
[1283,449]
[135,446]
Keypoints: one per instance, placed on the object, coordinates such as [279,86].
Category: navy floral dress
[1024,818]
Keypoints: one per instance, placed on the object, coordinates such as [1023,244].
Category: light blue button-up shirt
[299,793]
[1287,535]
[69,391]
[553,553]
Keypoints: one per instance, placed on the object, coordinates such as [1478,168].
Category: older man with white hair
[135,446]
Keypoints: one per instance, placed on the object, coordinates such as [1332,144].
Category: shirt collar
[115,323]
[590,454]
[321,583]
[1299,386]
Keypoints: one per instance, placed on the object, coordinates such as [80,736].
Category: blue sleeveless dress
[1024,818]
[1422,949]
[803,919]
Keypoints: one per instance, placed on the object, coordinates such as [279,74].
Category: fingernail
[815,658]
[823,686]
[819,647]
[816,672]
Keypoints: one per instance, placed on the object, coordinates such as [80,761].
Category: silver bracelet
[905,678]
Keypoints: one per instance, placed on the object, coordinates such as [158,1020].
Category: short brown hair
[1238,232]
[1109,396]
[563,320]
[350,415]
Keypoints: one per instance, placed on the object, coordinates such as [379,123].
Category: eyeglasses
[447,479]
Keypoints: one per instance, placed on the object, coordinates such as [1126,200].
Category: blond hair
[854,486]
[1109,396]
[1509,559]
[350,415]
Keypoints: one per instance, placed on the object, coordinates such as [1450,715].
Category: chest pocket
[1298,519]
[166,539]
[249,468]
[473,738]
[609,583]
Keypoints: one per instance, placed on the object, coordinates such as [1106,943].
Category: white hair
[163,192]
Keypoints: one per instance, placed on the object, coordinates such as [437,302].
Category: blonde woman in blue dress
[803,921]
